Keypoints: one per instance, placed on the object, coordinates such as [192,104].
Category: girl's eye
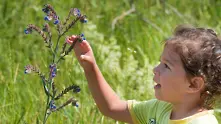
[166,66]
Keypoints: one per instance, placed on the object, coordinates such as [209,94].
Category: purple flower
[26,31]
[53,70]
[75,104]
[77,89]
[51,66]
[82,35]
[28,69]
[53,75]
[55,17]
[46,10]
[47,18]
[77,12]
[52,105]
[83,19]
[56,22]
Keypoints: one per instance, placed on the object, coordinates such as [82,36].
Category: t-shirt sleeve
[143,112]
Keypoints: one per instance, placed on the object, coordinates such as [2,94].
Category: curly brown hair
[200,52]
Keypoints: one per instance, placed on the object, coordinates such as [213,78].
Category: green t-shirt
[158,112]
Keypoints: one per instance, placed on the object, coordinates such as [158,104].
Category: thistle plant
[48,81]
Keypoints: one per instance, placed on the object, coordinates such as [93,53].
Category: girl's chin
[157,95]
[160,98]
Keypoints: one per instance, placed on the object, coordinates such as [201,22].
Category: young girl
[188,80]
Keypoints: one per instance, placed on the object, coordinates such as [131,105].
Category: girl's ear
[196,84]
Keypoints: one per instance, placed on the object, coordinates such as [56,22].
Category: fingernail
[82,56]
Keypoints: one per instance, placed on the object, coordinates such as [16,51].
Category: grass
[126,55]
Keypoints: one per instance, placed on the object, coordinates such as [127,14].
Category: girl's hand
[83,53]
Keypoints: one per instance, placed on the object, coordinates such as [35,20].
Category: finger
[86,45]
[69,41]
[84,42]
[73,37]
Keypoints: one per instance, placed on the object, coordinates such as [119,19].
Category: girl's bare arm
[106,99]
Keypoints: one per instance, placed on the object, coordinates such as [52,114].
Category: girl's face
[170,77]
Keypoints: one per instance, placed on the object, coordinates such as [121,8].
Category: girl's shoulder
[150,104]
[149,111]
[205,117]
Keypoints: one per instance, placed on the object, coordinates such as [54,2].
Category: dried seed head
[46,28]
[29,69]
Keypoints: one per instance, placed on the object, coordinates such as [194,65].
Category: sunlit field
[126,36]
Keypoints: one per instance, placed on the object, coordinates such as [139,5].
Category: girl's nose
[156,70]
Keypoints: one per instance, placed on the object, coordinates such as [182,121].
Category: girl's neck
[185,110]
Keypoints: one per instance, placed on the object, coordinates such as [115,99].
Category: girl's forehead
[171,55]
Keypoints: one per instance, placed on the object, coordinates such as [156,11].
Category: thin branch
[67,52]
[131,10]
[71,100]
[153,25]
[73,87]
[175,10]
[70,25]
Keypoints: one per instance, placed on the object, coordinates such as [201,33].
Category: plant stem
[45,114]
[61,58]
[56,48]
[48,99]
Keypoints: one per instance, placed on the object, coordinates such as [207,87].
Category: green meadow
[126,36]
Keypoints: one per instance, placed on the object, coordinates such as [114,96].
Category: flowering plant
[48,82]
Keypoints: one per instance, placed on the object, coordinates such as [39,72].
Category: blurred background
[126,37]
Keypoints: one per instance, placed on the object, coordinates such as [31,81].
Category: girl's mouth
[157,86]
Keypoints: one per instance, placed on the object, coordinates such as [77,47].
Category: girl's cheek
[161,69]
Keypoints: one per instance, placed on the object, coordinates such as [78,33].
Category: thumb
[85,58]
